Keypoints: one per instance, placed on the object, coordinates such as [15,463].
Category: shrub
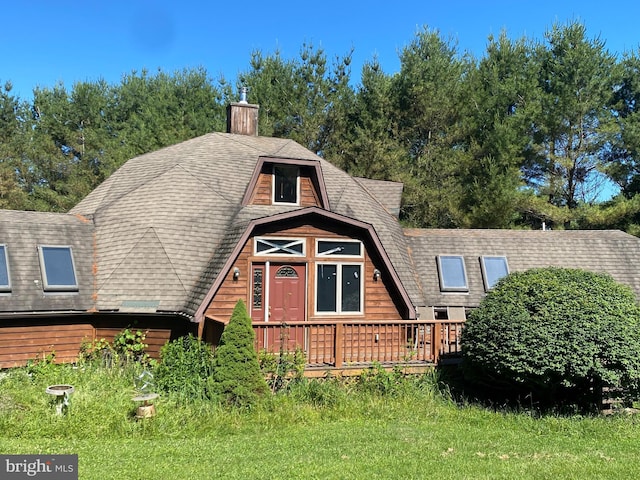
[129,345]
[236,374]
[185,368]
[558,335]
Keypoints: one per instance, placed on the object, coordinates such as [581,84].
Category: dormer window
[5,281]
[286,184]
[58,269]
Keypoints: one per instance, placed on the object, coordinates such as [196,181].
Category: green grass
[318,432]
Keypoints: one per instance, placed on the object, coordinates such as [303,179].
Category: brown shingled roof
[609,251]
[22,233]
[167,220]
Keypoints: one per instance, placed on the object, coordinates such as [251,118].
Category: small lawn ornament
[144,385]
[61,394]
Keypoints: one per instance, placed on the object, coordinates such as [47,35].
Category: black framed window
[286,184]
[339,288]
[344,248]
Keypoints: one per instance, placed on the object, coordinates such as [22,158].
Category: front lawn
[313,432]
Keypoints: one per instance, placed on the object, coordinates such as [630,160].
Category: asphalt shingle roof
[608,251]
[166,221]
[22,233]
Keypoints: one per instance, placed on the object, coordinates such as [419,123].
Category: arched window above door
[286,271]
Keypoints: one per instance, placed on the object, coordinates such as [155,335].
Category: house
[175,237]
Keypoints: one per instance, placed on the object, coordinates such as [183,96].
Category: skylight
[58,270]
[5,281]
[493,269]
[453,276]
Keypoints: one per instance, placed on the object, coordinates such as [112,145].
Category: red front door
[287,287]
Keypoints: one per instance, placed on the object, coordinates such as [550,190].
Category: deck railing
[360,342]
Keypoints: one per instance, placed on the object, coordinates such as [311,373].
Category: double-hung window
[58,268]
[339,285]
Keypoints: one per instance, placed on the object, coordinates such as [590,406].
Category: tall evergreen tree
[297,97]
[13,114]
[427,94]
[372,148]
[499,98]
[572,128]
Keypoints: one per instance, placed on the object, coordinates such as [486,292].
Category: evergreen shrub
[555,338]
[236,375]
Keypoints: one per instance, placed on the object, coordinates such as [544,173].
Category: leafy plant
[281,368]
[41,366]
[237,376]
[555,336]
[96,350]
[185,367]
[380,381]
[130,346]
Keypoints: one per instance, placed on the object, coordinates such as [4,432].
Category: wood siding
[22,342]
[29,339]
[378,302]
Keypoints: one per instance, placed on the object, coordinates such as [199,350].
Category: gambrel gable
[192,196]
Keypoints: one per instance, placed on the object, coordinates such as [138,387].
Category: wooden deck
[354,345]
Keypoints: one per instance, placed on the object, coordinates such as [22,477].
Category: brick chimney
[242,117]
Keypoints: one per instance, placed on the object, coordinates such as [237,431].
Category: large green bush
[237,376]
[555,337]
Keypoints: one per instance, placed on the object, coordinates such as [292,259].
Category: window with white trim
[58,268]
[452,273]
[493,269]
[279,246]
[338,248]
[286,184]
[5,279]
[339,288]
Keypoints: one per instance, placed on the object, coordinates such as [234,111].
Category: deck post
[338,345]
[436,341]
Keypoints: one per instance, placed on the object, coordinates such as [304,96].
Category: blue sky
[43,42]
